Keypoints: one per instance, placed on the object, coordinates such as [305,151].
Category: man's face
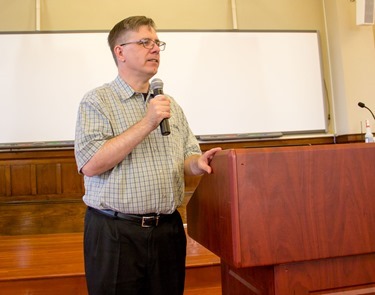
[141,61]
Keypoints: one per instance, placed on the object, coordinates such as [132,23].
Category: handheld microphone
[362,105]
[157,89]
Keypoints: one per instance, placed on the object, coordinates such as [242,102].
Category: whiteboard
[226,82]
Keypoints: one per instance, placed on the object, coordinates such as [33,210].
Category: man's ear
[119,53]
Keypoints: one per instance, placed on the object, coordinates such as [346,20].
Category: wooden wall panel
[70,179]
[40,192]
[21,180]
[42,217]
[39,176]
[46,180]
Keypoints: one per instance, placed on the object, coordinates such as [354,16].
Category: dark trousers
[121,257]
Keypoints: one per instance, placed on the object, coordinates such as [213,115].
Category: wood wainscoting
[41,190]
[44,175]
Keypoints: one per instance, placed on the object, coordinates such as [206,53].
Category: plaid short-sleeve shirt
[151,177]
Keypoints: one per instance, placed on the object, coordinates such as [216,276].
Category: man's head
[131,24]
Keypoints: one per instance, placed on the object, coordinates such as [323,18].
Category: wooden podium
[290,220]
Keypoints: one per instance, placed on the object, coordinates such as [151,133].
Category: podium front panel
[268,206]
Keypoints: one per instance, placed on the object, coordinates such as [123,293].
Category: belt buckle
[145,219]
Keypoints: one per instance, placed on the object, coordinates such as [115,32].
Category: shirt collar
[126,90]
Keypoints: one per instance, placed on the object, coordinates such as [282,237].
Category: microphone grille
[361,104]
[157,83]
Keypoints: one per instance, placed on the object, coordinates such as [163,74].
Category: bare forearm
[117,149]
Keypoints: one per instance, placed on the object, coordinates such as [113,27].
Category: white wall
[352,58]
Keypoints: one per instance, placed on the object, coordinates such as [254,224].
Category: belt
[147,220]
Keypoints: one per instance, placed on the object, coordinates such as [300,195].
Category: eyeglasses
[147,43]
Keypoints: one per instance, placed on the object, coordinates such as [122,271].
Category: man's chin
[153,72]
